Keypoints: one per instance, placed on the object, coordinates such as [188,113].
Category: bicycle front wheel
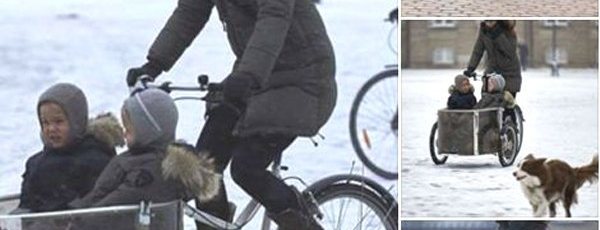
[374,124]
[348,205]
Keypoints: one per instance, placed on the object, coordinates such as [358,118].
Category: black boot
[301,218]
[217,207]
[291,219]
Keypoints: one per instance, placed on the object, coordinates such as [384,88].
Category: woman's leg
[251,156]
[216,141]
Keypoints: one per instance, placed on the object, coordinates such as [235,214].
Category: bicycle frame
[250,210]
[253,206]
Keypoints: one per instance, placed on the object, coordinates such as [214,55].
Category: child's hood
[73,102]
[453,89]
[195,171]
[106,129]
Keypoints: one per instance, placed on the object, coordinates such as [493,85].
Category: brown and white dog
[547,181]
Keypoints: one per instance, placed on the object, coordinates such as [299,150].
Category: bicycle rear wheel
[352,202]
[374,124]
[519,125]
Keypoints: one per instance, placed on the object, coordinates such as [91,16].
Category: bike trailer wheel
[433,150]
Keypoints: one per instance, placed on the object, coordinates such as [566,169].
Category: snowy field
[92,44]
[561,122]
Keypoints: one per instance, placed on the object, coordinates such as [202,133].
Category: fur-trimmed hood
[106,129]
[195,171]
[509,100]
[453,89]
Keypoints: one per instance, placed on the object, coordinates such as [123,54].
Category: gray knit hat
[73,102]
[498,82]
[154,116]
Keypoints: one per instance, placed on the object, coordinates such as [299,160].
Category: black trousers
[511,112]
[249,158]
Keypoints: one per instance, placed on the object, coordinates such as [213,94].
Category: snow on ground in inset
[93,43]
[560,122]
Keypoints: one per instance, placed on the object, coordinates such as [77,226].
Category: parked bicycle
[374,118]
[338,202]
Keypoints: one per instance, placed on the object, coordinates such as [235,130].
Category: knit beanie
[499,82]
[154,116]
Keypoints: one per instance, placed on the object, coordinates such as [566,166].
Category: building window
[442,24]
[443,56]
[561,56]
[559,23]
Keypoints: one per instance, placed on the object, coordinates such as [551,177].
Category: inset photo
[499,225]
[499,8]
[499,118]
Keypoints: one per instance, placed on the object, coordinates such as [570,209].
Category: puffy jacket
[282,44]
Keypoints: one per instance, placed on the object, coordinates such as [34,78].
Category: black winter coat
[281,44]
[459,100]
[53,178]
[501,49]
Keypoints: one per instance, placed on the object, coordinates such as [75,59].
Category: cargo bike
[472,132]
[337,202]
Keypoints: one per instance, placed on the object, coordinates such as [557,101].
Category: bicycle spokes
[374,124]
[350,213]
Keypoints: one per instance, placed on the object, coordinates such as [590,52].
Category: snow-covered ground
[92,44]
[561,122]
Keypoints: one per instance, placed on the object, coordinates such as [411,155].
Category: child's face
[491,85]
[464,86]
[55,125]
[129,134]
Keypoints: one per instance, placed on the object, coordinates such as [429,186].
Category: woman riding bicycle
[499,40]
[282,86]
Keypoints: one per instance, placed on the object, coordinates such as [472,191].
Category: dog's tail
[587,172]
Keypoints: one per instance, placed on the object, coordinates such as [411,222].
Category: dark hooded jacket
[501,47]
[152,169]
[281,44]
[54,177]
[458,100]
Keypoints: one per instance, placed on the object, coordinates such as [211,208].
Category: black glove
[150,69]
[237,87]
[469,72]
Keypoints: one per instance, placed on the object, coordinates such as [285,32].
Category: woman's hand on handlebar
[148,70]
[470,72]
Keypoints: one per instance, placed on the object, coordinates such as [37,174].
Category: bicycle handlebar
[474,75]
[203,85]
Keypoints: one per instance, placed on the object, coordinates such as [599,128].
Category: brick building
[449,43]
